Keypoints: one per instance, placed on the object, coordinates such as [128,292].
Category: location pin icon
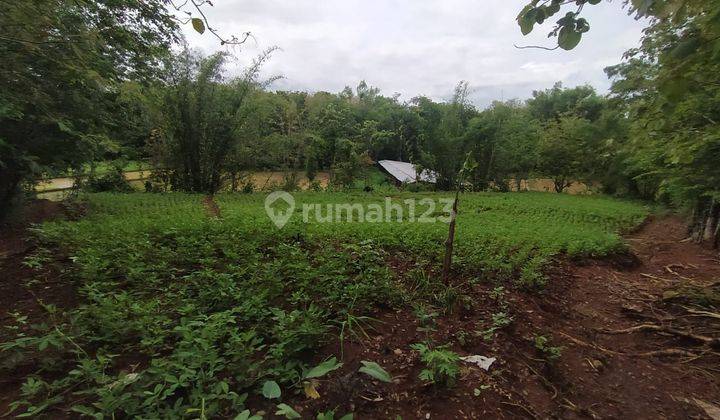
[279,218]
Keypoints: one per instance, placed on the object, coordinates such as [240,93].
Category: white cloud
[416,47]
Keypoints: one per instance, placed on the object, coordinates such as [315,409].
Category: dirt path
[15,245]
[612,375]
[211,207]
[15,296]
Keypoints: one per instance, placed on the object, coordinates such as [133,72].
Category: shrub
[441,365]
[111,181]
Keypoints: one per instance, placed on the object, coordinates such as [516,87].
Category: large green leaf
[568,38]
[526,19]
[245,415]
[375,370]
[287,411]
[323,368]
[271,390]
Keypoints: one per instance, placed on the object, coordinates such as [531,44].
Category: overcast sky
[416,47]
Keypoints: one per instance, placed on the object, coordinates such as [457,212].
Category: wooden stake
[447,263]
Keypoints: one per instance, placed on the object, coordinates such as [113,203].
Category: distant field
[56,188]
[211,308]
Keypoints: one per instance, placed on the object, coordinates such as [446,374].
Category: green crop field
[208,309]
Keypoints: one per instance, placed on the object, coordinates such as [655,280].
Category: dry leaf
[311,390]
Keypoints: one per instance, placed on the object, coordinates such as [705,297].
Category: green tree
[565,150]
[63,64]
[581,101]
[503,140]
[443,144]
[204,113]
[674,145]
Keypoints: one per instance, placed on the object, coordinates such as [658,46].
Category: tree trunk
[701,214]
[447,263]
[9,183]
[711,224]
[233,181]
[705,222]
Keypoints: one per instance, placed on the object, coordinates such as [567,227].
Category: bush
[442,365]
[291,182]
[112,181]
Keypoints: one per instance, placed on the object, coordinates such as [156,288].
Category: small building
[406,173]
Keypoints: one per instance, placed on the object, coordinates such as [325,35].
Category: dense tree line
[669,90]
[91,80]
[559,133]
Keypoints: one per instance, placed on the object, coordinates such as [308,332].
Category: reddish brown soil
[15,245]
[598,375]
[211,206]
[15,295]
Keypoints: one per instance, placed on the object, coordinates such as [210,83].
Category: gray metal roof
[405,172]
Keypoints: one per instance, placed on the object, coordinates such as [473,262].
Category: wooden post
[447,263]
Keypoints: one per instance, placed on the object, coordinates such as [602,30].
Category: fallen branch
[657,353]
[703,313]
[708,341]
[669,269]
[650,276]
[594,346]
[545,381]
[526,409]
[666,352]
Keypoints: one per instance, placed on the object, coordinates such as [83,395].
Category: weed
[447,299]
[442,366]
[500,320]
[38,259]
[498,293]
[354,326]
[463,337]
[427,318]
[549,352]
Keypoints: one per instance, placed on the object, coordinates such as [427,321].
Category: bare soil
[211,207]
[671,284]
[16,295]
[598,375]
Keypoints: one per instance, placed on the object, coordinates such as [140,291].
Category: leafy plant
[323,368]
[375,370]
[426,317]
[441,365]
[330,415]
[287,412]
[550,352]
[500,320]
[246,415]
[217,318]
[271,390]
[498,293]
[111,181]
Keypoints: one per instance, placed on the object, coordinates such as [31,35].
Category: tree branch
[526,47]
[27,41]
